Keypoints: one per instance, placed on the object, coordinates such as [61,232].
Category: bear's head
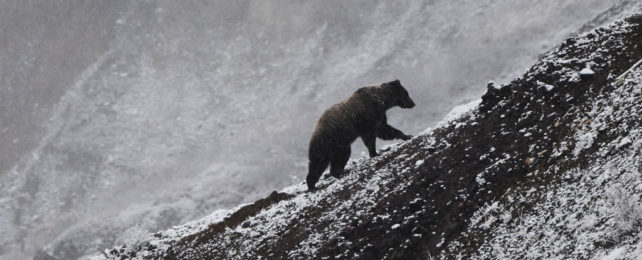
[397,94]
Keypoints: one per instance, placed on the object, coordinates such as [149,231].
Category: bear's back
[341,121]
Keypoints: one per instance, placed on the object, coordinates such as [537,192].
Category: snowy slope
[584,202]
[123,117]
[547,166]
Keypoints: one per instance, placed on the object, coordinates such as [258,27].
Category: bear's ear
[393,84]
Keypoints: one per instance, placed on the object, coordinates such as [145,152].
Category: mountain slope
[121,116]
[530,172]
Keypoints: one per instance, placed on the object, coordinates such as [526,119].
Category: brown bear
[361,115]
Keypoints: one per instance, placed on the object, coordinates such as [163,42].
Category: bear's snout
[408,103]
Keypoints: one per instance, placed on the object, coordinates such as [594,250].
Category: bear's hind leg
[339,160]
[315,170]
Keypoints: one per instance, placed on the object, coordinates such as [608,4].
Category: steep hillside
[546,166]
[118,116]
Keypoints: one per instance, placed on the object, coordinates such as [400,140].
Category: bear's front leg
[370,140]
[387,132]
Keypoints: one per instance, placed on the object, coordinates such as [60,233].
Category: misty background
[121,116]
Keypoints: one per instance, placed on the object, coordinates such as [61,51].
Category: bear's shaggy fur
[361,115]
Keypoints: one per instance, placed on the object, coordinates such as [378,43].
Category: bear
[361,115]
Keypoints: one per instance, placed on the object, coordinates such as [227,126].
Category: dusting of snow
[597,206]
[455,113]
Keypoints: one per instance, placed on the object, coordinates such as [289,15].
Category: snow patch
[586,71]
[419,163]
